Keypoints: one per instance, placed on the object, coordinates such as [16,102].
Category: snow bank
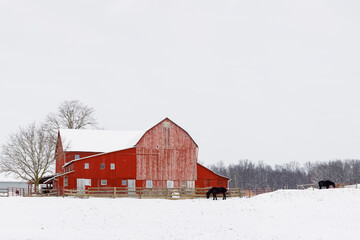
[283,215]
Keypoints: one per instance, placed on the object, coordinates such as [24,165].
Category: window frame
[170,184]
[112,166]
[86,166]
[66,181]
[102,165]
[149,184]
[103,182]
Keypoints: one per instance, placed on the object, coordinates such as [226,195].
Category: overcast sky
[271,81]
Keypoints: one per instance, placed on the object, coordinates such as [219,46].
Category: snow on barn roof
[83,140]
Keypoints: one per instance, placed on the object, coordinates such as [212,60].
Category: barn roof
[213,171]
[83,140]
[167,119]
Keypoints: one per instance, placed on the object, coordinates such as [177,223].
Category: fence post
[240,192]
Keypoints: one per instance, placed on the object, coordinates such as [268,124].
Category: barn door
[131,186]
[80,186]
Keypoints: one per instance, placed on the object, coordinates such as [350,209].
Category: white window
[149,184]
[191,184]
[170,184]
[86,165]
[77,156]
[124,182]
[112,166]
[87,182]
[65,181]
[103,182]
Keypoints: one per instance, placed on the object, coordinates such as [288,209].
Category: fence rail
[337,185]
[305,186]
[14,191]
[167,193]
[3,192]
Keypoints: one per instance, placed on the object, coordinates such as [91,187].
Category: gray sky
[276,81]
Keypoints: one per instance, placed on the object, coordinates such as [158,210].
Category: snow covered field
[283,215]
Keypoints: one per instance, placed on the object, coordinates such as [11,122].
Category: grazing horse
[216,190]
[326,183]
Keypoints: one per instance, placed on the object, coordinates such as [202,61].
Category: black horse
[216,190]
[326,183]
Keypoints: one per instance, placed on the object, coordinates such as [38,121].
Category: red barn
[163,156]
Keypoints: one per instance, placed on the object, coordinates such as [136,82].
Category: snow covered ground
[283,215]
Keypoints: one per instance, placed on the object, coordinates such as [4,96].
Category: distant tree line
[246,174]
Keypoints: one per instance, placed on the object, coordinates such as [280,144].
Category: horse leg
[214,196]
[224,196]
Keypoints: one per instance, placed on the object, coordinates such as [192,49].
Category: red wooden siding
[207,178]
[166,152]
[125,168]
[59,156]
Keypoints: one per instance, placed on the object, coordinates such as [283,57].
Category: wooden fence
[13,192]
[166,193]
[305,186]
[3,192]
[337,185]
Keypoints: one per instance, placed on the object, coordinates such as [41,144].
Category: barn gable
[166,152]
[167,123]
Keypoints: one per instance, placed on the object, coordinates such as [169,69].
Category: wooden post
[234,180]
[114,192]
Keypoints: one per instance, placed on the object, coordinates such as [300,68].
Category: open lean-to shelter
[164,156]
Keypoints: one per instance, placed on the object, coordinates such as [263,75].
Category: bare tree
[72,115]
[28,154]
